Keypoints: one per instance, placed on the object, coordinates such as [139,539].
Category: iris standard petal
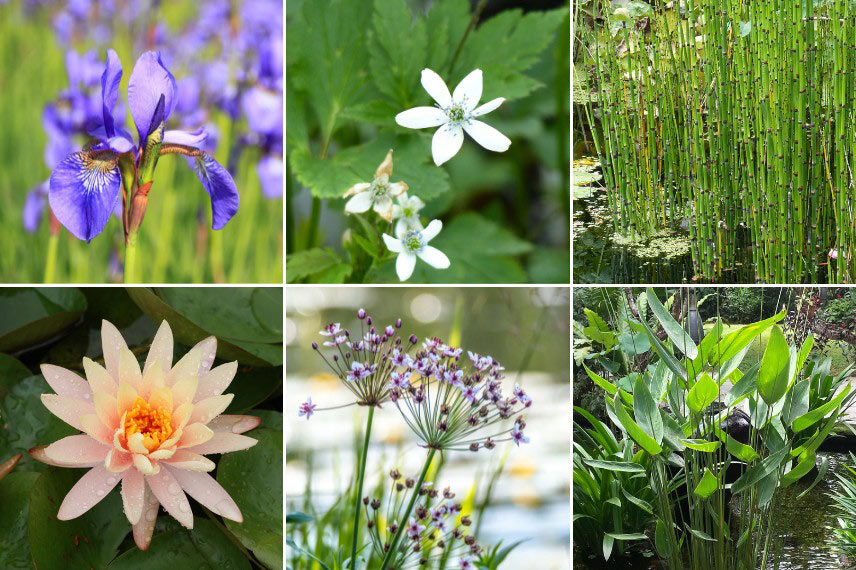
[487,136]
[488,107]
[84,190]
[404,265]
[446,143]
[421,117]
[469,90]
[220,186]
[110,80]
[434,257]
[187,138]
[436,87]
[150,80]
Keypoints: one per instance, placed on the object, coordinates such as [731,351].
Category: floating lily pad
[252,387]
[14,496]
[12,371]
[204,548]
[34,315]
[254,480]
[89,541]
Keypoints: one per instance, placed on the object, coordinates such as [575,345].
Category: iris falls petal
[220,186]
[84,190]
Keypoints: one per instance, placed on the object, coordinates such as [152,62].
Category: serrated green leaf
[310,262]
[397,52]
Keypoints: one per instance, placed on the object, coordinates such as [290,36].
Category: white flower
[407,213]
[454,114]
[378,194]
[414,243]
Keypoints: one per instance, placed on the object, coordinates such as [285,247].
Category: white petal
[434,257]
[469,90]
[357,188]
[436,87]
[432,230]
[392,244]
[359,203]
[487,136]
[421,118]
[383,206]
[161,349]
[488,107]
[111,344]
[404,265]
[400,228]
[446,143]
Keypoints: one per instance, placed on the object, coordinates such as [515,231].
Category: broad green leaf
[33,315]
[708,484]
[88,541]
[297,517]
[806,464]
[813,416]
[644,440]
[397,53]
[644,505]
[661,540]
[739,450]
[447,23]
[12,371]
[253,479]
[622,466]
[548,265]
[773,375]
[205,547]
[646,411]
[674,330]
[821,474]
[14,496]
[815,441]
[608,541]
[632,344]
[700,534]
[252,387]
[314,261]
[745,386]
[673,363]
[754,474]
[805,350]
[799,402]
[597,329]
[701,445]
[627,536]
[702,393]
[736,341]
[672,432]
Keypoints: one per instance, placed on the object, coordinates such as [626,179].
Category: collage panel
[427,427]
[141,427]
[713,427]
[428,141]
[149,135]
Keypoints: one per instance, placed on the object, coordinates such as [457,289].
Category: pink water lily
[149,429]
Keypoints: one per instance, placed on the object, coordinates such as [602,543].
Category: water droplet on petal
[151,514]
[100,492]
[174,489]
[184,507]
[111,480]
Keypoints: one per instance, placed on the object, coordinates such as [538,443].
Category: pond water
[803,525]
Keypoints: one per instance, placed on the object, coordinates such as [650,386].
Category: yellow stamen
[154,424]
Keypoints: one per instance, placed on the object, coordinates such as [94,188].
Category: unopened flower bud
[361,314]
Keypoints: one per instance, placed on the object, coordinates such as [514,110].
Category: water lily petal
[393,244]
[99,379]
[207,353]
[186,460]
[161,349]
[209,408]
[162,397]
[181,416]
[66,383]
[168,492]
[125,397]
[84,190]
[359,203]
[224,442]
[92,425]
[110,80]
[431,230]
[107,412]
[133,495]
[220,187]
[195,434]
[469,90]
[488,107]
[434,257]
[193,139]
[436,87]
[146,526]
[150,80]
[234,423]
[404,265]
[136,445]
[184,390]
[112,344]
[77,451]
[421,117]
[118,461]
[208,492]
[216,381]
[487,136]
[69,410]
[142,463]
[129,371]
[446,143]
[87,492]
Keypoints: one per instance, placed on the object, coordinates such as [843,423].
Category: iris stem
[359,496]
[403,522]
[131,259]
[50,260]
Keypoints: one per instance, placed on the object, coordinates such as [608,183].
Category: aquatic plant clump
[734,120]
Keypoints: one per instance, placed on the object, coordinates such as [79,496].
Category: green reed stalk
[359,491]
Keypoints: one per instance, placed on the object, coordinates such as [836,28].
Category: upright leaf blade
[773,375]
[674,330]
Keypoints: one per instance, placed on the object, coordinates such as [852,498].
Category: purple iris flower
[270,173]
[34,207]
[85,186]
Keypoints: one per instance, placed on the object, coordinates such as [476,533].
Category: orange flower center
[154,424]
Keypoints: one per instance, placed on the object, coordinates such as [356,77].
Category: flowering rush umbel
[149,429]
[86,186]
[434,531]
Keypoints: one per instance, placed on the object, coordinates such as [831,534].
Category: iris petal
[220,186]
[110,89]
[149,81]
[195,138]
[269,170]
[84,189]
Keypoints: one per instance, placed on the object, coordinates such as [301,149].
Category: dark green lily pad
[173,546]
[14,496]
[31,316]
[252,387]
[254,480]
[89,541]
[12,371]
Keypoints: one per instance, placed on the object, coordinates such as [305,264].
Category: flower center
[154,424]
[412,241]
[380,187]
[457,114]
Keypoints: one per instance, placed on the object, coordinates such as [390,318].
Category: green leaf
[708,484]
[252,387]
[701,445]
[297,518]
[740,451]
[821,474]
[14,496]
[398,52]
[88,541]
[773,376]
[644,505]
[33,315]
[644,440]
[597,329]
[703,393]
[736,341]
[633,344]
[661,540]
[646,411]
[674,330]
[700,534]
[607,386]
[173,546]
[12,371]
[627,536]
[622,466]
[253,480]
[549,265]
[813,416]
[754,474]
[805,465]
[313,262]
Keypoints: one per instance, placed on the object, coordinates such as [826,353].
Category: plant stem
[394,544]
[359,494]
[130,259]
[50,260]
[473,21]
